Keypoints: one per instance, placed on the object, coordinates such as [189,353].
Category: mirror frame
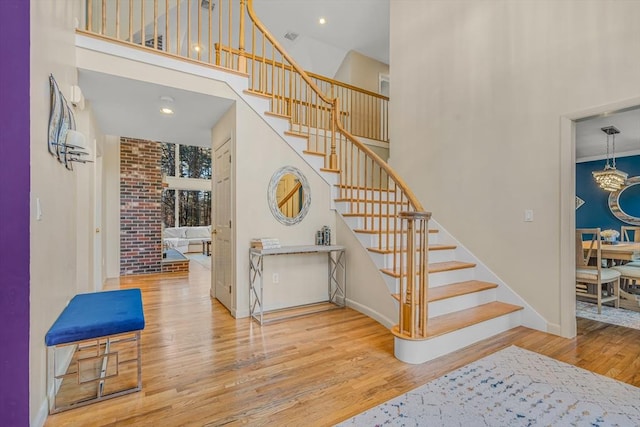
[273,201]
[614,203]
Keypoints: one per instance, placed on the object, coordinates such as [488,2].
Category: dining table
[622,251]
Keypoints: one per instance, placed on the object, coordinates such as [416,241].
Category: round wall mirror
[625,203]
[289,195]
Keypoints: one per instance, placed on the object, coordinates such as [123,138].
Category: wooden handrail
[382,164]
[290,194]
[287,67]
[284,53]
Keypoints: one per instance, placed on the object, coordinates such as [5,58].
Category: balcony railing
[209,31]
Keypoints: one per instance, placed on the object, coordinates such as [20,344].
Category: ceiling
[360,25]
[591,141]
[131,108]
[127,107]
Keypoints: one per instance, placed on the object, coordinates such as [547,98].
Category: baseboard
[41,415]
[383,320]
[554,328]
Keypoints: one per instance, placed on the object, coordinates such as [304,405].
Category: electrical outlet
[275,278]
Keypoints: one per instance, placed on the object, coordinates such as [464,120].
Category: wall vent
[290,35]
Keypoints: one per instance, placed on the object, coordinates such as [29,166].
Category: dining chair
[630,272]
[629,233]
[592,280]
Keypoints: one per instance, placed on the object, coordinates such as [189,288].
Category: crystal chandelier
[610,179]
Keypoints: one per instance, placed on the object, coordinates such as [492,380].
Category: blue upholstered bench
[94,349]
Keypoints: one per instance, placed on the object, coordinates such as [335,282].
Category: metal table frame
[336,259]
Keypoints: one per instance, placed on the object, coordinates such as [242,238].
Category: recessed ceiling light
[166,105]
[322,21]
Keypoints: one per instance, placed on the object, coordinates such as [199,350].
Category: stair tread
[452,290]
[361,230]
[296,134]
[314,153]
[359,187]
[461,288]
[369,201]
[451,322]
[330,170]
[256,93]
[432,247]
[436,267]
[280,116]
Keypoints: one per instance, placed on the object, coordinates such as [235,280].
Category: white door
[98,265]
[221,273]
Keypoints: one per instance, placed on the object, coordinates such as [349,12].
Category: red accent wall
[140,207]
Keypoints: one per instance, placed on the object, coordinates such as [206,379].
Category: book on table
[265,243]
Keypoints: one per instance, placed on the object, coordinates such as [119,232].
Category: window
[186,199]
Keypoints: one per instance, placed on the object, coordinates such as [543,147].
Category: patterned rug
[513,387]
[615,316]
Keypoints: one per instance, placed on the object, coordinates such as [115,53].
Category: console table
[337,290]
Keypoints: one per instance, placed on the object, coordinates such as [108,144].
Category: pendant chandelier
[610,179]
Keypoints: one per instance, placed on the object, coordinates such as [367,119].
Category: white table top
[300,249]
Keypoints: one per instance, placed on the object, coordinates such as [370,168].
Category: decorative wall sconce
[64,142]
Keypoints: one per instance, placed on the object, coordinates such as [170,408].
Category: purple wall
[14,212]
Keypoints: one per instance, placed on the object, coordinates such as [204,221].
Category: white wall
[53,238]
[479,89]
[111,205]
[361,71]
[258,153]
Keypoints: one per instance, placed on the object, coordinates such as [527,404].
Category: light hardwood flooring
[202,367]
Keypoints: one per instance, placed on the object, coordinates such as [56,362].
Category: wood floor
[202,367]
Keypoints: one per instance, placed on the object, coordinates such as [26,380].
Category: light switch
[38,210]
[528,215]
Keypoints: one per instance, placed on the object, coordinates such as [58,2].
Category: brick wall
[176,267]
[140,207]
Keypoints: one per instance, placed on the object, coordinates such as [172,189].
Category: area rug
[615,316]
[513,387]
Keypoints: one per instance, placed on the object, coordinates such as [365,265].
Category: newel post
[414,280]
[242,60]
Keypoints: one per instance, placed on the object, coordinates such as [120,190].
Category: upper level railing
[209,31]
[327,112]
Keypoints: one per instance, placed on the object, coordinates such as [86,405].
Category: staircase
[446,298]
[462,309]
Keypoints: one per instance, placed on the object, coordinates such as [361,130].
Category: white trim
[567,186]
[383,320]
[42,414]
[604,156]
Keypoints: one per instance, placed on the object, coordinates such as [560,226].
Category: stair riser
[371,240]
[280,125]
[355,194]
[258,103]
[298,144]
[374,223]
[453,276]
[462,302]
[386,260]
[435,279]
[374,207]
[422,351]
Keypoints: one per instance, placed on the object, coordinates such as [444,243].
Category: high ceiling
[129,108]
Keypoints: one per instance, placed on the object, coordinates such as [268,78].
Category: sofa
[186,239]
